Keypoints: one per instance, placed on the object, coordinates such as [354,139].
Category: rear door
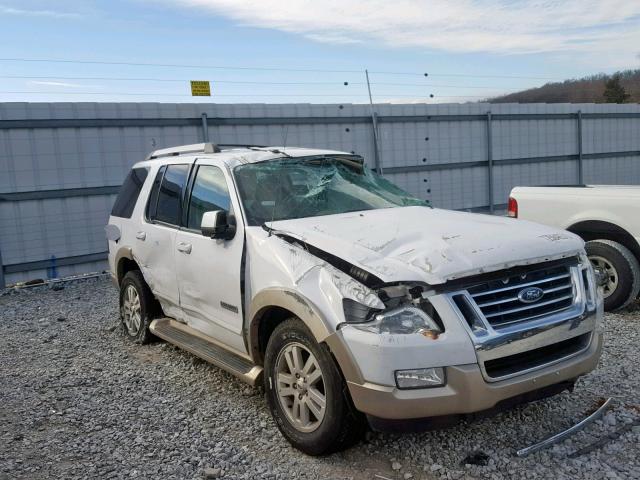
[209,270]
[155,238]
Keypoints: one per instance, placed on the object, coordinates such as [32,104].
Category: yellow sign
[200,88]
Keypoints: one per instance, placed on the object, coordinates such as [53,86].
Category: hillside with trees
[620,87]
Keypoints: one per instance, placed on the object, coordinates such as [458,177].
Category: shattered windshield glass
[287,188]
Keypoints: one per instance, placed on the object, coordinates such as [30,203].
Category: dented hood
[430,245]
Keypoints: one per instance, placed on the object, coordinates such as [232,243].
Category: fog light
[420,378]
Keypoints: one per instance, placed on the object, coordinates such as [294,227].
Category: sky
[269,51]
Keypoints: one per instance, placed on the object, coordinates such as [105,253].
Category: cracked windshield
[289,188]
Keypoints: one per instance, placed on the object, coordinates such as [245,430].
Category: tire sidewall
[320,440]
[621,294]
[135,279]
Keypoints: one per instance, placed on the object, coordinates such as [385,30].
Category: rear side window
[129,192]
[169,196]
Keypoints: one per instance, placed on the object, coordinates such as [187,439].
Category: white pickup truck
[607,217]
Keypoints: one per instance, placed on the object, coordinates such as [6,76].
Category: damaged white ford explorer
[351,301]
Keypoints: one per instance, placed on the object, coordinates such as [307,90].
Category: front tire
[621,269]
[306,394]
[138,307]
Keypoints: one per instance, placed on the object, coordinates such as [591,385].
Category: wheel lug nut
[299,397]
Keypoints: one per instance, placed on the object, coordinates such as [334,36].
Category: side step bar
[206,348]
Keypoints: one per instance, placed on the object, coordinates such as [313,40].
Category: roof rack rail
[183,150]
[245,145]
[196,148]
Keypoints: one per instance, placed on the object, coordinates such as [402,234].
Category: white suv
[351,301]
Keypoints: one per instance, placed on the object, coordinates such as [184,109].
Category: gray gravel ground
[78,401]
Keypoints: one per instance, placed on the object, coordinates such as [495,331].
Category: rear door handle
[184,247]
[141,236]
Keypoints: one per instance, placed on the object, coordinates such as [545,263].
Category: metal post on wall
[376,139]
[205,128]
[2,283]
[580,162]
[374,123]
[490,162]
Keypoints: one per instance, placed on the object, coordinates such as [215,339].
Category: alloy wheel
[131,310]
[300,387]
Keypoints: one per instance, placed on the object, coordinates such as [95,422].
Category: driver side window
[209,193]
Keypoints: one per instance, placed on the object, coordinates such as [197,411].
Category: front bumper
[467,391]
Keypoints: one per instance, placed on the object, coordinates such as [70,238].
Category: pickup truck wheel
[138,307]
[306,393]
[621,269]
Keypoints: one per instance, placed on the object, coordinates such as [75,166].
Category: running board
[206,348]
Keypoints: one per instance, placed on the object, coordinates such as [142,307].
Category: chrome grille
[498,299]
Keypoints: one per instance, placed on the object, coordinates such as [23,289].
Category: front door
[208,270]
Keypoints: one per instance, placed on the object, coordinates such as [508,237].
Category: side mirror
[217,224]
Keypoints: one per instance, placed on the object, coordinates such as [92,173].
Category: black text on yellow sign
[200,88]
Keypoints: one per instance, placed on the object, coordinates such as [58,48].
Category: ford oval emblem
[530,294]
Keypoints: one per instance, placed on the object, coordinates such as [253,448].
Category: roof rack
[240,145]
[196,148]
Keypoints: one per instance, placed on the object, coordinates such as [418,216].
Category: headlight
[591,282]
[401,320]
[420,378]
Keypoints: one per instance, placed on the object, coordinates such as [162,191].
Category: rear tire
[621,268]
[301,374]
[138,307]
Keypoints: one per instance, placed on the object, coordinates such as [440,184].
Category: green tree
[614,92]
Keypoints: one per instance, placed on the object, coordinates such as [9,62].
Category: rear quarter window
[129,192]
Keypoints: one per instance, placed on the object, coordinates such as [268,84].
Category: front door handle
[141,236]
[184,247]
